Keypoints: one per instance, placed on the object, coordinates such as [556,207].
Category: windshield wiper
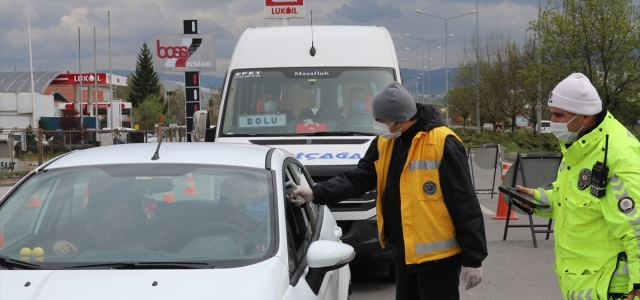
[129,265]
[11,264]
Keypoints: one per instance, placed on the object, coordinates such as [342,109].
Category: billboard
[184,53]
[283,9]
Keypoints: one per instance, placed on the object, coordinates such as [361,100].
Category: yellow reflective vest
[428,231]
[592,233]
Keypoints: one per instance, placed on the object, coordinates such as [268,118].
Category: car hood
[266,280]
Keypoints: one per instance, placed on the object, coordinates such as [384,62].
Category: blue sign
[317,155]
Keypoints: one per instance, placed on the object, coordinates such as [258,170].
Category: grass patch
[13,174]
[30,156]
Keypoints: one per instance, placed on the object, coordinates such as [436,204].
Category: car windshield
[216,216]
[302,101]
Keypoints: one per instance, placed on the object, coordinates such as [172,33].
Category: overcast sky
[54,26]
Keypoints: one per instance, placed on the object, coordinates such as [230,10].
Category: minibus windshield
[302,101]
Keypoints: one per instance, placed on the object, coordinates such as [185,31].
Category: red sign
[90,78]
[283,2]
[283,9]
[73,79]
[311,127]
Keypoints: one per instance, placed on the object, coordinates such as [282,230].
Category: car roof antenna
[156,155]
[312,51]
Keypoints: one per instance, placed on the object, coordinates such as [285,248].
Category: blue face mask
[256,210]
[357,106]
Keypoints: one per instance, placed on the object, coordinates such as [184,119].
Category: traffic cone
[168,196]
[501,212]
[1,238]
[85,198]
[189,188]
[34,201]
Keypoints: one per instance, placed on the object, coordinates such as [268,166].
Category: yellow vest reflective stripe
[436,246]
[424,165]
[428,231]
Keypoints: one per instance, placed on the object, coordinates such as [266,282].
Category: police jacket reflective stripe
[428,231]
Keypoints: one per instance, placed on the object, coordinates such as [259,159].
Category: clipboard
[524,198]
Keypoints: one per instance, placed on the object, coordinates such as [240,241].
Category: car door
[306,224]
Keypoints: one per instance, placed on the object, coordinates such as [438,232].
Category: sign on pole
[184,52]
[284,9]
[23,141]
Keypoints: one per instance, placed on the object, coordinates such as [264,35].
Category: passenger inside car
[268,103]
[121,221]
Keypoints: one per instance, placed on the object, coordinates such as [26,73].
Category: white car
[188,221]
[545,126]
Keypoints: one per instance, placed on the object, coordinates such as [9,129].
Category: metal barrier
[487,156]
[24,148]
[531,170]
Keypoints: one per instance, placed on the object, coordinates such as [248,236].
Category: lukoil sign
[90,78]
[283,9]
[184,53]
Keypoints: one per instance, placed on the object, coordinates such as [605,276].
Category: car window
[303,179]
[143,213]
[299,229]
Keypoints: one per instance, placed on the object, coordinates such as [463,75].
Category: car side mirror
[200,125]
[325,256]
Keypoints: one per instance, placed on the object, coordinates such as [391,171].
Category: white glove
[305,192]
[470,277]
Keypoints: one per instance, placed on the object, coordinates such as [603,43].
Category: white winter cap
[576,94]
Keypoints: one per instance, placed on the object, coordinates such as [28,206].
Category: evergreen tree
[145,81]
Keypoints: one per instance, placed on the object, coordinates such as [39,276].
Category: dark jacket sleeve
[349,184]
[462,203]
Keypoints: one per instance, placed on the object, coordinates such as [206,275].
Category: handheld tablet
[523,197]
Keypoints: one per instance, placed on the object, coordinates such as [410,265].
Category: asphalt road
[514,269]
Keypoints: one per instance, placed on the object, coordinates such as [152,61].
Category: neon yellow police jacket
[592,235]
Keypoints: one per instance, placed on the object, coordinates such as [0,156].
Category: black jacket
[455,180]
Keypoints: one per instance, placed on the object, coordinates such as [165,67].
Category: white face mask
[561,131]
[383,130]
[271,107]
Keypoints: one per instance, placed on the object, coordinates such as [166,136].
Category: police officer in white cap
[597,226]
[427,210]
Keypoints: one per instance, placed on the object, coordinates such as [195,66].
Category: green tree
[175,103]
[599,38]
[462,99]
[145,81]
[148,111]
[214,104]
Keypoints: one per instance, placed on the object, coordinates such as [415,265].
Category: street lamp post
[428,59]
[429,55]
[477,74]
[446,52]
[415,62]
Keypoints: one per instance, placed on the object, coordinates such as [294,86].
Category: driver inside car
[245,204]
[120,222]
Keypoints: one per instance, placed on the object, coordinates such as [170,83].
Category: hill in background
[409,77]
